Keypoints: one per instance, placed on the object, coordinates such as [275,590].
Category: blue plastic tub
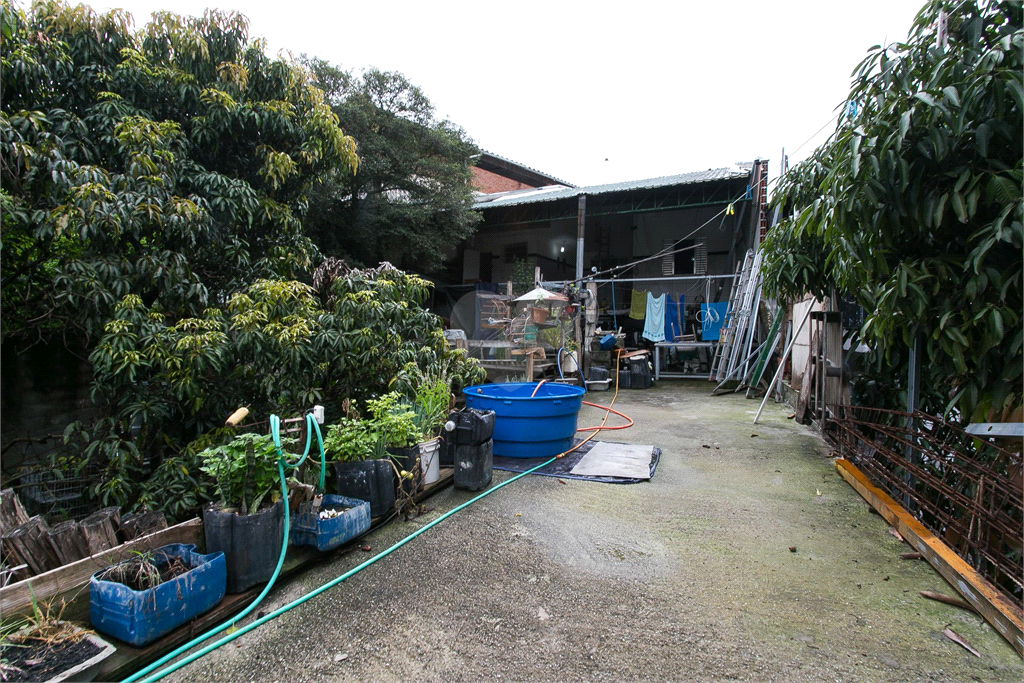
[325,534]
[140,617]
[526,427]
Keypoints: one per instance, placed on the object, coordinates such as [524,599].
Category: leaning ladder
[728,326]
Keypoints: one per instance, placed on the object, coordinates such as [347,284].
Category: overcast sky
[595,92]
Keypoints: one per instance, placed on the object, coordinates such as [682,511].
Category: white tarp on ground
[616,460]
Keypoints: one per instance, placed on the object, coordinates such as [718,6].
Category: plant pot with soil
[149,595]
[357,449]
[431,403]
[247,524]
[45,648]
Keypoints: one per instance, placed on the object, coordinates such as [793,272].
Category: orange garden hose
[610,409]
[594,431]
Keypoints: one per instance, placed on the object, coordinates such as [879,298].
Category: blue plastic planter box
[140,617]
[324,534]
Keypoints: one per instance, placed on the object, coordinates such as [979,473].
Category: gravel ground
[688,577]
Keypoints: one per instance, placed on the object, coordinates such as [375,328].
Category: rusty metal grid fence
[966,491]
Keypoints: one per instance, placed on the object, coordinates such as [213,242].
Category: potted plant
[247,523]
[362,464]
[151,594]
[43,647]
[431,404]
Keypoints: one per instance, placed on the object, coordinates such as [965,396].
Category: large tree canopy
[913,206]
[412,196]
[170,163]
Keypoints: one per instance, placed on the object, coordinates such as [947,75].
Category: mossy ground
[686,577]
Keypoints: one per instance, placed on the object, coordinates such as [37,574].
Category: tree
[914,208]
[171,164]
[411,197]
[276,346]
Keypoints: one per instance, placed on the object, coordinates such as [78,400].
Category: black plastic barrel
[473,426]
[447,452]
[625,379]
[369,480]
[251,543]
[474,466]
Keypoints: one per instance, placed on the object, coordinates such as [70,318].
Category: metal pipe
[782,363]
[674,278]
[581,225]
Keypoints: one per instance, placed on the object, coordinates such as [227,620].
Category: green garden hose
[236,633]
[298,601]
[275,430]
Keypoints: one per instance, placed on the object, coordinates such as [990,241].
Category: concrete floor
[687,577]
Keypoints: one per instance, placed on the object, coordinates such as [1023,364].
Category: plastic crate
[325,534]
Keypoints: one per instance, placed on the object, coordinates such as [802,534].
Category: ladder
[729,326]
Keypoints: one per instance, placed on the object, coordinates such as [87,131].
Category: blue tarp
[711,318]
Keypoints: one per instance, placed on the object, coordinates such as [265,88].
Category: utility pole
[581,223]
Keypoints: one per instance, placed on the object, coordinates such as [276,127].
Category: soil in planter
[140,574]
[41,660]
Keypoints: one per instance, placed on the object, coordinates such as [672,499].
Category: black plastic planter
[369,480]
[447,449]
[251,543]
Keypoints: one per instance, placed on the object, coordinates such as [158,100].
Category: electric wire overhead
[667,250]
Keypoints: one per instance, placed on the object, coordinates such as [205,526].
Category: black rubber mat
[560,468]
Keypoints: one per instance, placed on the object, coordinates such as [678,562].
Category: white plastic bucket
[568,362]
[430,460]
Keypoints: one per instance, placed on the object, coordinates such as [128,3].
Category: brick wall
[489,183]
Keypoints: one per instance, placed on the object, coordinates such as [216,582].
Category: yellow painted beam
[998,610]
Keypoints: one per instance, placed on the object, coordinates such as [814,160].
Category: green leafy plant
[392,422]
[351,440]
[412,195]
[245,471]
[431,403]
[395,419]
[914,207]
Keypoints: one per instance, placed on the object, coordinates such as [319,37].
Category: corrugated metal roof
[555,192]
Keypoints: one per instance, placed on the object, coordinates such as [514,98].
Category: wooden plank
[141,524]
[12,514]
[803,402]
[68,580]
[998,610]
[31,542]
[100,529]
[68,541]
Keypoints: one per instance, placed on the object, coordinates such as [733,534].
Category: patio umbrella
[542,295]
